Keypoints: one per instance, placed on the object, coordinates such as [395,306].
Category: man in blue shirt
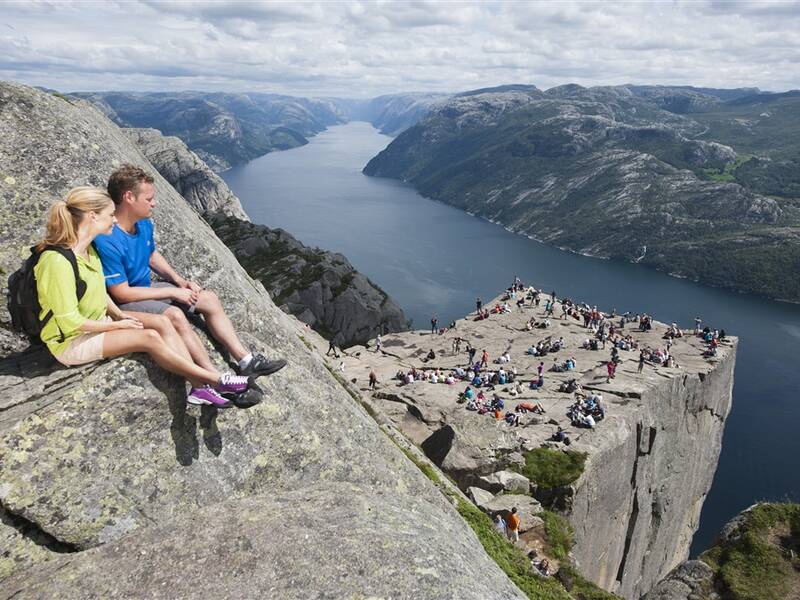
[129,254]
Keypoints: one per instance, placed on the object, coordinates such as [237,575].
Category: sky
[364,49]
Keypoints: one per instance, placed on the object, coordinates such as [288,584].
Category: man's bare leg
[220,325]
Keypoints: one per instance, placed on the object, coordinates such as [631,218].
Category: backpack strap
[80,284]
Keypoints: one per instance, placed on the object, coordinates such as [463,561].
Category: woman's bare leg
[127,341]
[166,330]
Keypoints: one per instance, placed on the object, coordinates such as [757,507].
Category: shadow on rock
[35,361]
[212,438]
[183,428]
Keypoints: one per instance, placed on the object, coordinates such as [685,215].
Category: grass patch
[763,564]
[510,559]
[559,534]
[549,468]
[583,589]
[426,469]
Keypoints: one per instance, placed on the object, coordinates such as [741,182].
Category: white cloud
[363,49]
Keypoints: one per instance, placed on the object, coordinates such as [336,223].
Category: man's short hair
[126,179]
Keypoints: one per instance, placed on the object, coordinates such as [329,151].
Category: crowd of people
[484,385]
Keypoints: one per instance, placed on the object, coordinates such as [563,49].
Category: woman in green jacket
[94,328]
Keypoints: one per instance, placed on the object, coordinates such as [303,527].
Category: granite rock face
[692,580]
[650,463]
[224,129]
[187,173]
[105,469]
[320,288]
[607,172]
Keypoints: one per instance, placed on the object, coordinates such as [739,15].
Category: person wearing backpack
[90,328]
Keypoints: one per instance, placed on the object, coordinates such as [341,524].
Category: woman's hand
[128,323]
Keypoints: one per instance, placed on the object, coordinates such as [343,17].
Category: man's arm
[122,293]
[162,268]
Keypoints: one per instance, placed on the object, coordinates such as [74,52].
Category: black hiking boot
[259,365]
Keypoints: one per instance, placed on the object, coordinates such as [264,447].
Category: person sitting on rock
[431,355]
[500,524]
[93,328]
[525,407]
[128,253]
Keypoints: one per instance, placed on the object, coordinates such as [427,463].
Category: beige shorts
[86,348]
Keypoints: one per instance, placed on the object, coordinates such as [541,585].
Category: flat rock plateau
[650,462]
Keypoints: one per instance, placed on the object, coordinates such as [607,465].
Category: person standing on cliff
[378,344]
[434,324]
[332,347]
[471,351]
[373,379]
[641,360]
[484,359]
[129,253]
[512,523]
[612,370]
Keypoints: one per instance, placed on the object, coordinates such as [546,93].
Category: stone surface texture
[300,496]
[691,580]
[187,173]
[650,462]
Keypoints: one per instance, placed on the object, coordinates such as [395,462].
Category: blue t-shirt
[126,256]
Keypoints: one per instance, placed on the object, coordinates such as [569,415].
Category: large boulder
[505,481]
[109,465]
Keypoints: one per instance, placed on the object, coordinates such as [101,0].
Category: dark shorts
[155,307]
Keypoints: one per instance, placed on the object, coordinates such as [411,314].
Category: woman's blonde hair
[66,215]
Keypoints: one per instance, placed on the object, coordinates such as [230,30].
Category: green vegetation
[727,173]
[763,563]
[581,588]
[513,562]
[61,96]
[550,468]
[559,534]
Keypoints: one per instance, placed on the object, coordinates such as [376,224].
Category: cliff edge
[632,487]
[106,470]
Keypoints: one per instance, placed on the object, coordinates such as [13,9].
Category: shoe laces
[231,379]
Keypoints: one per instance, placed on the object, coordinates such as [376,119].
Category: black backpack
[23,298]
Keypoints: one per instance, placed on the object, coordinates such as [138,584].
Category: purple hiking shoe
[207,395]
[230,384]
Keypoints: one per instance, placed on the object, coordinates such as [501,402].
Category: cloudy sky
[363,49]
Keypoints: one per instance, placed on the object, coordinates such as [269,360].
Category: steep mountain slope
[112,487]
[394,113]
[320,288]
[223,129]
[607,172]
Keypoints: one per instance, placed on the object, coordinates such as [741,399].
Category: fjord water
[435,260]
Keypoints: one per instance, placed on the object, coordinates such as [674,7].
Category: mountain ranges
[697,182]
